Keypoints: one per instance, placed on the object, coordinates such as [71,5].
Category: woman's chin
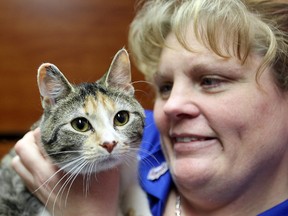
[193,171]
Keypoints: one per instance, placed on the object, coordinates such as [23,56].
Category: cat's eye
[121,118]
[81,124]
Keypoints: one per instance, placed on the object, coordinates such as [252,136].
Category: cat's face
[93,126]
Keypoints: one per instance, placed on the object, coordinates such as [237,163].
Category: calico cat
[85,129]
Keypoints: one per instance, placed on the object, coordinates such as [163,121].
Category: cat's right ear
[52,84]
[119,73]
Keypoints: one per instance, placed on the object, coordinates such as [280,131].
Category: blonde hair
[243,27]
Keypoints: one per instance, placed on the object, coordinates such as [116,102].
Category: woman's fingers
[36,171]
[28,149]
[23,172]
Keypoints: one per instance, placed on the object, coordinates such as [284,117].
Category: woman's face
[220,126]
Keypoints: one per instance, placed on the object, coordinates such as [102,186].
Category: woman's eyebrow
[217,68]
[157,76]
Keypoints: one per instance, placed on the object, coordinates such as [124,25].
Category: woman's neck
[252,199]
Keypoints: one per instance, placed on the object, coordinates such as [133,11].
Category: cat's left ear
[119,73]
[52,84]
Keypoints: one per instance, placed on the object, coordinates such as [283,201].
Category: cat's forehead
[95,98]
[86,89]
[93,104]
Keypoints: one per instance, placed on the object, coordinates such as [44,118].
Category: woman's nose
[181,104]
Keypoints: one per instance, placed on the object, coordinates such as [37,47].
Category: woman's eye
[211,82]
[165,89]
[81,124]
[121,118]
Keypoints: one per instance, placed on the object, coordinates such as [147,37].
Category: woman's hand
[46,182]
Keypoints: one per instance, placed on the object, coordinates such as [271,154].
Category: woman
[220,72]
[221,78]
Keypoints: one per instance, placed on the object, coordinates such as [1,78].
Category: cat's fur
[85,129]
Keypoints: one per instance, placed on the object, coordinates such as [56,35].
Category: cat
[74,120]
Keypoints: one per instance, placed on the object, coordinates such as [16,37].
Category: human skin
[223,131]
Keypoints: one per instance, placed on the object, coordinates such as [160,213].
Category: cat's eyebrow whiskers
[142,91]
[117,96]
[141,81]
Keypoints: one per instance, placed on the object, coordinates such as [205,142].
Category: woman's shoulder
[154,174]
[151,138]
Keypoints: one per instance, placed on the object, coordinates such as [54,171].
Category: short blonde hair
[243,27]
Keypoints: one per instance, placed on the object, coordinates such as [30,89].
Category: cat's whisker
[59,181]
[147,126]
[62,168]
[144,92]
[86,180]
[149,163]
[127,162]
[146,152]
[92,168]
[60,164]
[141,81]
[117,97]
[60,191]
[134,152]
[50,194]
[64,152]
[71,177]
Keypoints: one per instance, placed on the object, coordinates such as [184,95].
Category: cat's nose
[109,146]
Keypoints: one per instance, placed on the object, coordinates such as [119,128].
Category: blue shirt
[155,177]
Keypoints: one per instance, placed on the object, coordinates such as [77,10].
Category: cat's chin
[93,167]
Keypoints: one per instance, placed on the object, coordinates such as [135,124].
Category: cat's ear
[119,73]
[52,84]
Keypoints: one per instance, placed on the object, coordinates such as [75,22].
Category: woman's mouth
[190,144]
[189,139]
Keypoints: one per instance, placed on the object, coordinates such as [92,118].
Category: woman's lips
[192,143]
[189,139]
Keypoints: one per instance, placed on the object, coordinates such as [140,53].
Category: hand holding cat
[33,174]
[22,166]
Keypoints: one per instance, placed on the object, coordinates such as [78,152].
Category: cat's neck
[103,195]
[106,187]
